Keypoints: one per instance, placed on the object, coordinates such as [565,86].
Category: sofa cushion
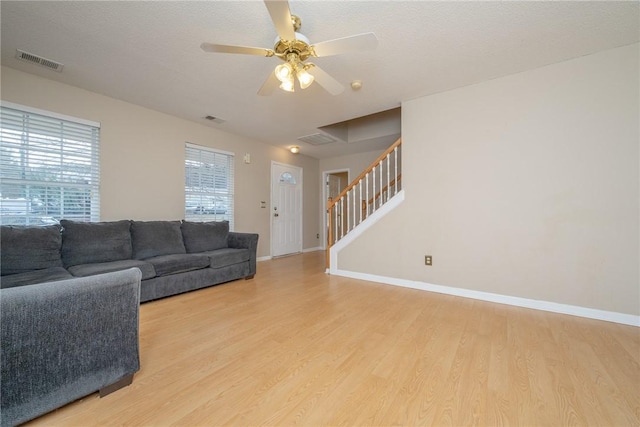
[92,242]
[155,238]
[29,248]
[204,236]
[228,256]
[35,276]
[83,270]
[178,263]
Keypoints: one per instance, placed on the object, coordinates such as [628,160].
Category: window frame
[60,178]
[213,198]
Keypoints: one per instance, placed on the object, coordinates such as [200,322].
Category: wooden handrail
[331,203]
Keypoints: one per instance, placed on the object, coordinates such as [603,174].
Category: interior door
[286,209]
[336,182]
[334,187]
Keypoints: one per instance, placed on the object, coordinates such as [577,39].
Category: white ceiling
[148,53]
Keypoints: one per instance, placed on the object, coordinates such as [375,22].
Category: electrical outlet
[428,260]
[317,235]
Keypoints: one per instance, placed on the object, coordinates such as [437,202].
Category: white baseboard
[263,258]
[573,310]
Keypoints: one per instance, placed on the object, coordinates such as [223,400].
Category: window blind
[49,168]
[209,184]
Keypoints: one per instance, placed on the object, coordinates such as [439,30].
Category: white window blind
[208,188]
[49,168]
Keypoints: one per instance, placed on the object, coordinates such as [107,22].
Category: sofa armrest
[63,340]
[245,241]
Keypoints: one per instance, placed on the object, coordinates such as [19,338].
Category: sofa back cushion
[204,236]
[25,249]
[93,242]
[155,238]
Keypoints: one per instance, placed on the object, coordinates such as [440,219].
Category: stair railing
[364,195]
[381,197]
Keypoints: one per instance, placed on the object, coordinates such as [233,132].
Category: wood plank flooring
[295,346]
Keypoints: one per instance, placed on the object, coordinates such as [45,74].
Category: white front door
[286,209]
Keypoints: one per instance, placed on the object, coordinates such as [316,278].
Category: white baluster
[355,211]
[395,172]
[335,222]
[367,193]
[373,196]
[360,207]
[388,176]
[381,186]
[348,225]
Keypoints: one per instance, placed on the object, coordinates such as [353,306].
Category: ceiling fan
[294,49]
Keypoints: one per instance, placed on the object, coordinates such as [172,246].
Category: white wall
[142,158]
[526,186]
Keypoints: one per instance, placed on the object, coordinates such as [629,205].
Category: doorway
[334,182]
[286,209]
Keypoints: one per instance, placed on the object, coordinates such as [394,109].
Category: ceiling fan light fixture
[284,72]
[288,85]
[294,48]
[304,78]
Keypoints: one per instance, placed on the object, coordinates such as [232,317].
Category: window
[49,167]
[287,178]
[208,186]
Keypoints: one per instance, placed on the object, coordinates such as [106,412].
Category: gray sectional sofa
[70,300]
[173,256]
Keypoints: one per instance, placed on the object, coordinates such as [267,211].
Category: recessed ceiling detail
[39,60]
[384,125]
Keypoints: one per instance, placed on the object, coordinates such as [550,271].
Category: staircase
[377,184]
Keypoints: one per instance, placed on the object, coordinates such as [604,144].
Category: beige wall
[526,185]
[142,158]
[356,163]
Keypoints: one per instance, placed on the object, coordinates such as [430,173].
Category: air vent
[317,139]
[214,119]
[35,59]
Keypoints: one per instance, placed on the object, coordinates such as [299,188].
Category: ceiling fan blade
[329,84]
[281,17]
[269,85]
[245,50]
[346,44]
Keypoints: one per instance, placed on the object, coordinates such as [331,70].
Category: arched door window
[287,178]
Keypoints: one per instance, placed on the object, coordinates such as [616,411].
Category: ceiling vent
[35,59]
[317,139]
[214,119]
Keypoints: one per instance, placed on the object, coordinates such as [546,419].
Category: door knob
[275,214]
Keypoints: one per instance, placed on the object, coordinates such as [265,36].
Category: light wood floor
[295,346]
